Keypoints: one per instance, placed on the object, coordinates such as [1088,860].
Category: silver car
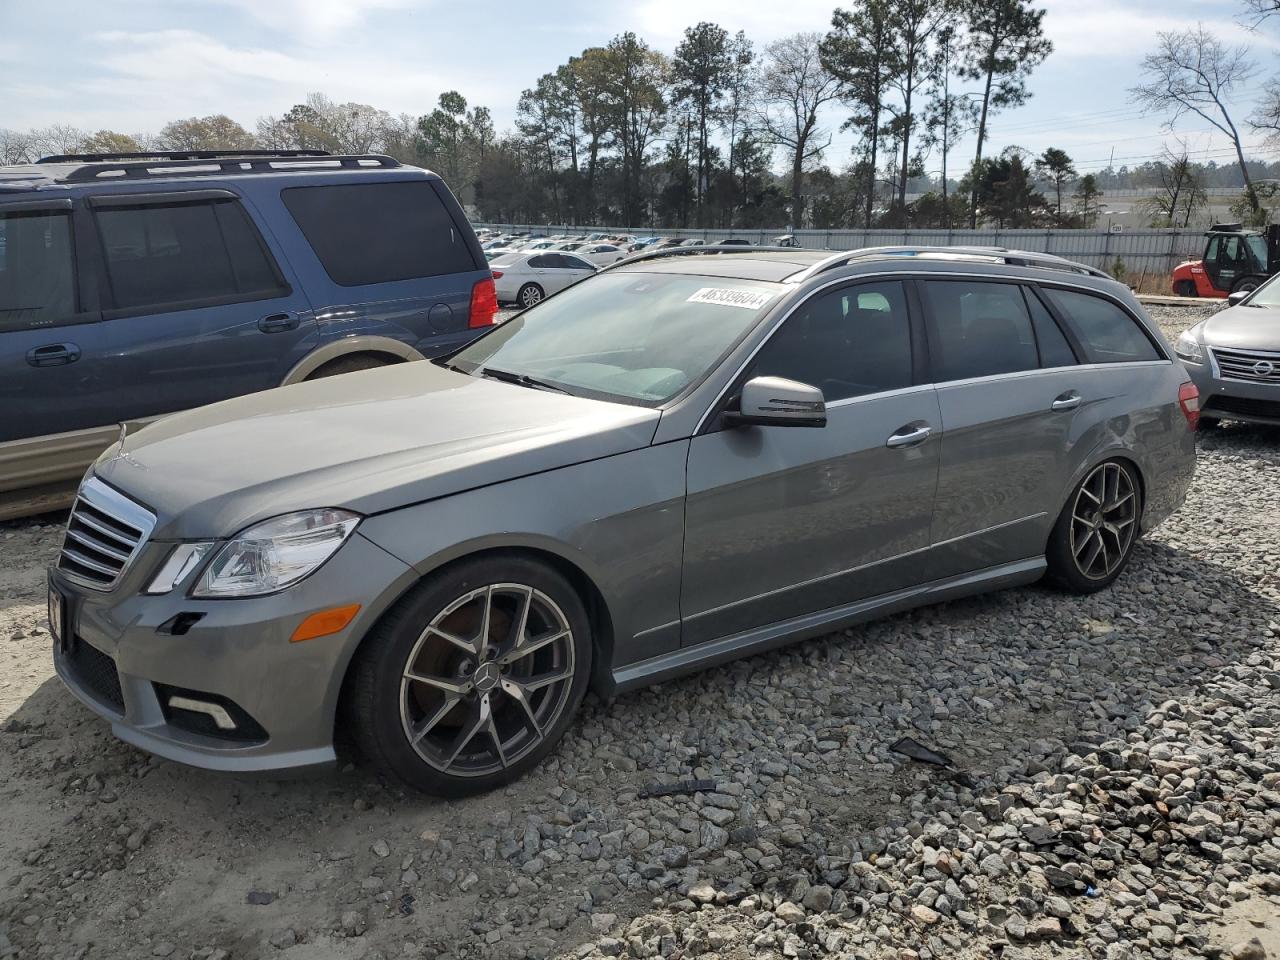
[681,460]
[1234,358]
[528,278]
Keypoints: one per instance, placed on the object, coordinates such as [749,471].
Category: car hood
[1243,328]
[368,441]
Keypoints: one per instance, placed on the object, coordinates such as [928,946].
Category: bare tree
[1257,11]
[1179,190]
[794,88]
[1192,72]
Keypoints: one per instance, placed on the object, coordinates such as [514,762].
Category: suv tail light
[1189,401]
[484,304]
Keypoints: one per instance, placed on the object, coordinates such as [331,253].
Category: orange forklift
[1235,261]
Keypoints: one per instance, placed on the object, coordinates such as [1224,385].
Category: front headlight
[1188,347]
[274,554]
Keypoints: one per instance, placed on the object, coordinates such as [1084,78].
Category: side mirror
[1233,299]
[778,402]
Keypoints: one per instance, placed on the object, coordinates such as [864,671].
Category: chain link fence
[1146,253]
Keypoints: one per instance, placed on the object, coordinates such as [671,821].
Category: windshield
[1267,295]
[635,337]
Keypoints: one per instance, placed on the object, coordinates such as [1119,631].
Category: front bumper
[283,695]
[1227,399]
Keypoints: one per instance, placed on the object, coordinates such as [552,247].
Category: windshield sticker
[750,299]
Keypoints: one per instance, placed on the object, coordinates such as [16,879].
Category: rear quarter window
[37,270]
[367,233]
[1107,333]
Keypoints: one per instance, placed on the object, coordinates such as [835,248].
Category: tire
[529,295]
[488,726]
[1246,284]
[357,361]
[1184,288]
[1105,508]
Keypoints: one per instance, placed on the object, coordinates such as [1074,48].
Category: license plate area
[59,627]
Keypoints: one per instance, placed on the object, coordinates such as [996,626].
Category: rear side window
[175,255]
[1107,333]
[1054,349]
[379,232]
[978,329]
[37,270]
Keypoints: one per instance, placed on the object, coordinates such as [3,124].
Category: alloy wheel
[487,679]
[530,295]
[1103,521]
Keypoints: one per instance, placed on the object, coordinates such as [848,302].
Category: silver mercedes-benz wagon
[680,460]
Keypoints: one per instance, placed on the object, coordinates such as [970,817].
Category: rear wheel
[1184,288]
[529,295]
[474,677]
[1093,539]
[1246,285]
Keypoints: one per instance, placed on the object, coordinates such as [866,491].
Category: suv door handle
[1068,401]
[53,355]
[910,435]
[278,323]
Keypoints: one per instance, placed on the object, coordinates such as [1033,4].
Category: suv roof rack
[704,248]
[234,163]
[177,155]
[1013,258]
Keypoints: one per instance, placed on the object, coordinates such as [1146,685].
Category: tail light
[496,274]
[1189,401]
[484,303]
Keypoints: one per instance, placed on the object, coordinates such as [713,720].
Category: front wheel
[529,295]
[472,679]
[1184,288]
[1093,539]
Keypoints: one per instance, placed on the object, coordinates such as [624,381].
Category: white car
[601,254]
[527,278]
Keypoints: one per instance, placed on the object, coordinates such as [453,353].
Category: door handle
[909,436]
[53,355]
[1068,401]
[278,323]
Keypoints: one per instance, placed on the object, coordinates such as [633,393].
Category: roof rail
[219,166]
[689,251]
[1013,258]
[176,155]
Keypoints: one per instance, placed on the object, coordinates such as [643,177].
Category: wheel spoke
[521,622]
[452,687]
[482,640]
[422,729]
[467,733]
[1096,541]
[532,646]
[492,727]
[517,693]
[540,680]
[462,643]
[1119,502]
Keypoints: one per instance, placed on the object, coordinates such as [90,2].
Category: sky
[132,65]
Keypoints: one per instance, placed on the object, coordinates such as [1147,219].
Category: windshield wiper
[521,379]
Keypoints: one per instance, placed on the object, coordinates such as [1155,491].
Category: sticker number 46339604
[750,299]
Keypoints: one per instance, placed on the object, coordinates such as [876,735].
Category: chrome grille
[1254,366]
[104,534]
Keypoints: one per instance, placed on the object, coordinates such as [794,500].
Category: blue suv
[133,286]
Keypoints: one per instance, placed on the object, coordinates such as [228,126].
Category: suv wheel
[530,294]
[1093,539]
[474,677]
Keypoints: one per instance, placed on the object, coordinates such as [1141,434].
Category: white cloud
[1103,28]
[662,22]
[314,19]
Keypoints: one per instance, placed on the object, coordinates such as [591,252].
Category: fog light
[218,714]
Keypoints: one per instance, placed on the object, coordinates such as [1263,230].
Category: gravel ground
[1115,792]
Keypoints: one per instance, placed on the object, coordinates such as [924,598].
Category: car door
[1012,398]
[197,307]
[783,521]
[567,269]
[49,322]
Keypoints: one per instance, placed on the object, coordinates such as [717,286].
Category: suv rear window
[178,255]
[37,275]
[1107,333]
[379,232]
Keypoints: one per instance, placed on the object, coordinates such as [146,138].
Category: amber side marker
[325,622]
